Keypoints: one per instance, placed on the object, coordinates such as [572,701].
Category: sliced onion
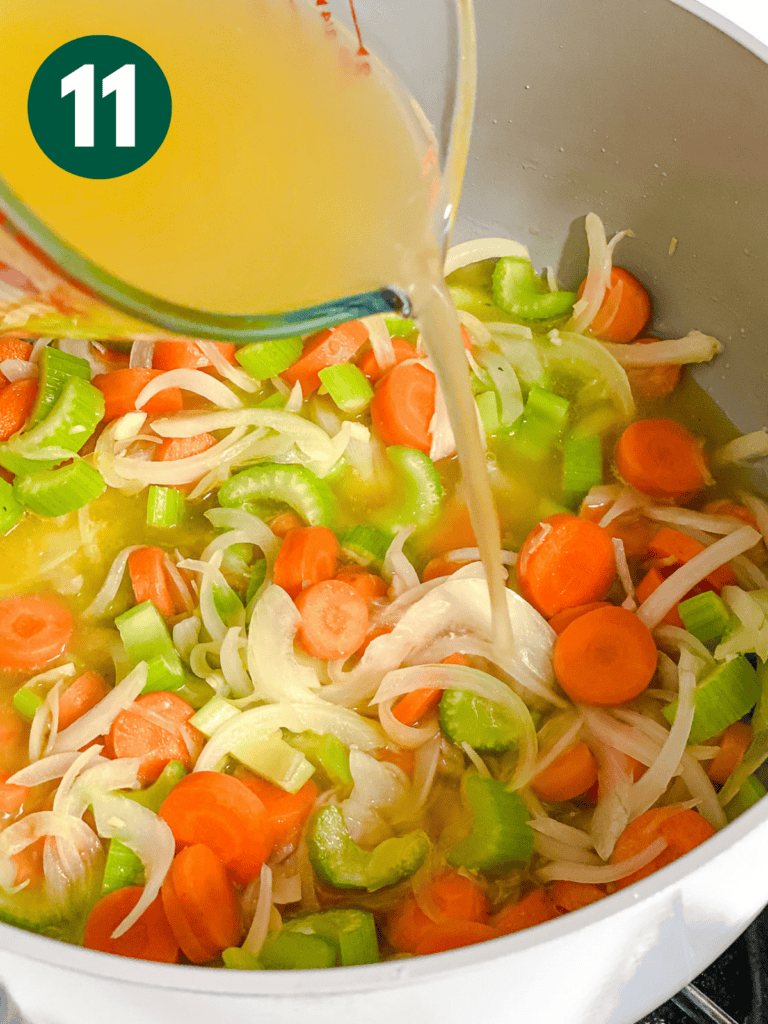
[566,872]
[98,721]
[556,850]
[478,331]
[180,471]
[286,889]
[598,275]
[143,832]
[272,665]
[84,349]
[443,441]
[405,735]
[627,501]
[563,833]
[676,639]
[688,519]
[141,355]
[695,347]
[348,433]
[459,677]
[259,723]
[179,582]
[234,374]
[397,567]
[210,578]
[676,586]
[604,494]
[378,786]
[478,249]
[61,800]
[626,739]
[567,739]
[185,636]
[18,369]
[748,573]
[46,720]
[254,940]
[476,760]
[759,510]
[29,829]
[381,342]
[295,399]
[578,348]
[45,770]
[255,530]
[194,381]
[744,448]
[231,660]
[622,568]
[424,770]
[100,778]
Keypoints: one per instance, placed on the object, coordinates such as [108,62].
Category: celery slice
[582,466]
[419,491]
[26,702]
[285,950]
[258,575]
[155,795]
[121,869]
[145,637]
[238,959]
[55,492]
[352,932]
[10,509]
[721,698]
[213,715]
[275,401]
[750,792]
[367,544]
[348,387]
[518,290]
[488,407]
[329,756]
[264,359]
[56,369]
[399,327]
[483,724]
[547,406]
[500,832]
[227,603]
[165,506]
[295,486]
[705,615]
[275,760]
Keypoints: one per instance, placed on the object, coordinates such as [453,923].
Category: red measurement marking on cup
[362,52]
[360,67]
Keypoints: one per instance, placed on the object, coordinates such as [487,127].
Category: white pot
[657,121]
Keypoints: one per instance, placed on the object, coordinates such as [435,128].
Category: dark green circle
[52,117]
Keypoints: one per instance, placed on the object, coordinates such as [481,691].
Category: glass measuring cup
[430,50]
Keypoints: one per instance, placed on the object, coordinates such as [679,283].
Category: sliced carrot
[450,897]
[287,811]
[438,567]
[149,579]
[403,406]
[16,401]
[327,348]
[12,797]
[156,729]
[13,348]
[565,561]
[669,543]
[607,656]
[13,739]
[29,864]
[415,705]
[733,746]
[34,631]
[724,507]
[653,579]
[534,908]
[653,382]
[452,530]
[150,938]
[569,775]
[568,615]
[80,696]
[370,366]
[633,529]
[221,812]
[681,828]
[173,448]
[122,387]
[566,897]
[367,584]
[405,760]
[200,904]
[186,355]
[307,555]
[625,310]
[439,938]
[283,523]
[662,459]
[334,620]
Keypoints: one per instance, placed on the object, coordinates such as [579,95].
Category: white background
[749,14]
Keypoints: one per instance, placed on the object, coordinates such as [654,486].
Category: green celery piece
[547,406]
[154,795]
[238,959]
[227,603]
[258,575]
[500,832]
[274,759]
[348,387]
[351,931]
[213,715]
[518,290]
[194,691]
[122,868]
[56,492]
[26,702]
[69,424]
[237,559]
[476,301]
[582,466]
[399,327]
[488,406]
[329,756]
[760,714]
[367,544]
[339,861]
[10,509]
[145,637]
[165,506]
[295,486]
[705,615]
[275,401]
[721,698]
[418,489]
[483,724]
[265,359]
[286,951]
[33,911]
[750,792]
[56,369]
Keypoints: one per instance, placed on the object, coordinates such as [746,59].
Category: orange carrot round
[566,897]
[662,459]
[367,584]
[403,406]
[411,708]
[287,811]
[724,507]
[568,615]
[122,387]
[565,561]
[440,566]
[222,813]
[150,938]
[156,729]
[625,310]
[34,631]
[12,797]
[534,908]
[607,656]
[733,746]
[173,448]
[369,364]
[439,938]
[286,521]
[186,355]
[16,401]
[633,529]
[327,348]
[681,828]
[334,620]
[569,775]
[653,382]
[200,904]
[149,579]
[450,897]
[13,348]
[80,696]
[307,555]
[404,759]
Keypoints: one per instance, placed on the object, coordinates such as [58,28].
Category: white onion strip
[695,347]
[687,518]
[627,501]
[222,366]
[759,510]
[196,381]
[141,355]
[598,276]
[746,447]
[557,850]
[676,586]
[564,833]
[566,740]
[45,770]
[98,720]
[565,872]
[257,933]
[380,340]
[307,436]
[405,735]
[622,568]
[424,770]
[478,249]
[18,369]
[179,471]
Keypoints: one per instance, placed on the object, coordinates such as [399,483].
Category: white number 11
[122,83]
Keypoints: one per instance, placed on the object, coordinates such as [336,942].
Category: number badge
[99,107]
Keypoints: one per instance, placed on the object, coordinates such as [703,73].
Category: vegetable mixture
[252,709]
